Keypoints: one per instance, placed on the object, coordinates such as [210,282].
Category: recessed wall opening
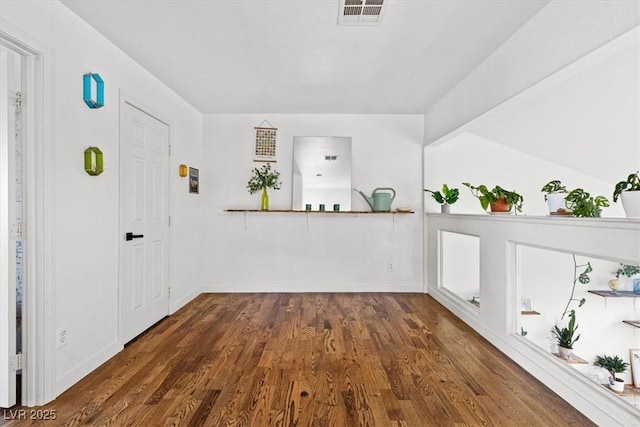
[460,265]
[554,284]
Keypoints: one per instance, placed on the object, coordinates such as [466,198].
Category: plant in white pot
[446,198]
[555,194]
[629,192]
[565,336]
[614,365]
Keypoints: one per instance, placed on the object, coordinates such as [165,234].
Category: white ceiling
[290,56]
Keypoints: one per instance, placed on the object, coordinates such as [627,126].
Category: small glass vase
[264,200]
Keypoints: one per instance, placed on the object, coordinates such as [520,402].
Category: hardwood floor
[310,360]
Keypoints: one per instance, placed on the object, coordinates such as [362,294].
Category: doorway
[11,224]
[144,221]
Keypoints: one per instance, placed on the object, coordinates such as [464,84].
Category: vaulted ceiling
[291,56]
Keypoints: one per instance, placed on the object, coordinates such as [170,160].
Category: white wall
[580,126]
[589,122]
[319,252]
[558,35]
[85,235]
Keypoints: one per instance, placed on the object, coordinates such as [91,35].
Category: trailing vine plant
[578,277]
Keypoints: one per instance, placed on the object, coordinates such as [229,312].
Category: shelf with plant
[566,336]
[614,365]
[497,199]
[628,271]
[446,197]
[261,179]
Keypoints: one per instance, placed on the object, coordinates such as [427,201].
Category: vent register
[360,12]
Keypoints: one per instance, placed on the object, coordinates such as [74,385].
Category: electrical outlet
[390,266]
[62,336]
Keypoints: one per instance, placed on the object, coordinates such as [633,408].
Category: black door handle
[131,236]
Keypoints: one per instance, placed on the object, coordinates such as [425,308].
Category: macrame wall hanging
[265,150]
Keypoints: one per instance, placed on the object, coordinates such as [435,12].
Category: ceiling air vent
[360,12]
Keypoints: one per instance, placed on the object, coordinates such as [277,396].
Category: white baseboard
[181,302]
[304,288]
[71,377]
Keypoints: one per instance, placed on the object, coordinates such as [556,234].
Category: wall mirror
[321,172]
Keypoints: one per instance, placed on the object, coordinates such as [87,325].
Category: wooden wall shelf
[317,212]
[573,360]
[476,303]
[619,294]
[634,323]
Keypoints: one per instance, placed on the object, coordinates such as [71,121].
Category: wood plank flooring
[310,360]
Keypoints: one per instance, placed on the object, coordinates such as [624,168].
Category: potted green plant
[446,198]
[261,179]
[583,205]
[629,271]
[565,336]
[498,199]
[555,194]
[629,192]
[614,365]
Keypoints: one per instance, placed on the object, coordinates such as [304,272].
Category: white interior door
[144,199]
[7,240]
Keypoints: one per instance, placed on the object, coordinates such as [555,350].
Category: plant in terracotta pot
[583,205]
[498,199]
[629,192]
[446,198]
[555,194]
[261,179]
[614,365]
[565,336]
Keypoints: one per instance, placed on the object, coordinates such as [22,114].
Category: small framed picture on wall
[194,180]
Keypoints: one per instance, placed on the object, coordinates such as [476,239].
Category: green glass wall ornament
[93,161]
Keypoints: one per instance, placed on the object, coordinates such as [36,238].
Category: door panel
[144,264]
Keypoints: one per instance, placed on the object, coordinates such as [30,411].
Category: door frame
[126,98]
[38,371]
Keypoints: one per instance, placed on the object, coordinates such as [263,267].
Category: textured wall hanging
[93,90]
[93,163]
[265,150]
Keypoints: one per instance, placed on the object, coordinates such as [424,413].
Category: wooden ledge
[317,212]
